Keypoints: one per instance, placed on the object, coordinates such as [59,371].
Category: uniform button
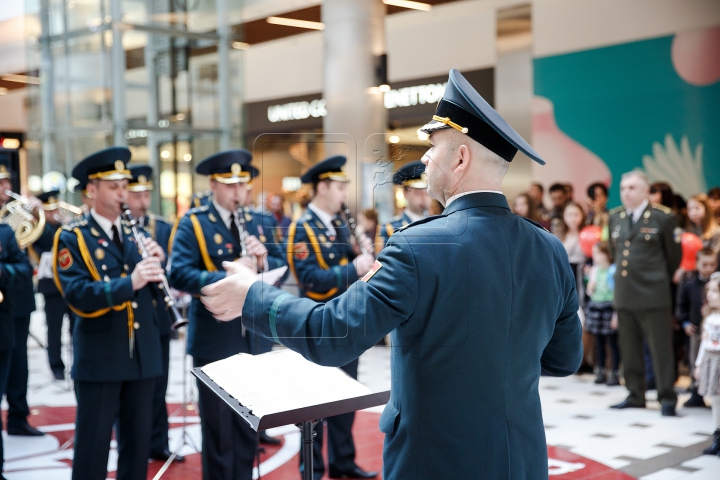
[626,252]
[332,255]
[104,267]
[647,237]
[136,325]
[126,268]
[220,252]
[134,304]
[624,273]
[627,243]
[624,263]
[107,279]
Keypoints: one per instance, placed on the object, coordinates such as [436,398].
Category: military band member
[55,306]
[411,178]
[645,242]
[139,201]
[116,340]
[320,255]
[23,292]
[14,268]
[203,239]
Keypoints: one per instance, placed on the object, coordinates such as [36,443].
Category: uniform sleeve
[76,283]
[16,268]
[45,242]
[310,275]
[339,331]
[563,354]
[188,273]
[673,249]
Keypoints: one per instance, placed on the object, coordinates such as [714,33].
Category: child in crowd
[690,300]
[707,371]
[600,318]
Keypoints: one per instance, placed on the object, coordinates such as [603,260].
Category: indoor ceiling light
[408,4]
[240,45]
[291,22]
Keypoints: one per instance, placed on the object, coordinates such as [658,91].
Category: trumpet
[19,216]
[179,321]
[352,225]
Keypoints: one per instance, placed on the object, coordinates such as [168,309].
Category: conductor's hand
[148,270]
[363,263]
[255,247]
[154,249]
[225,298]
[246,261]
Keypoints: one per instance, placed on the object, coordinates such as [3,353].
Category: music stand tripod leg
[308,434]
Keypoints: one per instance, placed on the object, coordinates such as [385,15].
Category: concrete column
[223,30]
[47,82]
[152,112]
[354,36]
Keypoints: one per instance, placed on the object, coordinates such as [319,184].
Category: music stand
[304,417]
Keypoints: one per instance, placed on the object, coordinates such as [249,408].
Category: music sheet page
[281,381]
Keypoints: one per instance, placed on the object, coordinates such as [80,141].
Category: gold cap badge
[235,169]
[119,165]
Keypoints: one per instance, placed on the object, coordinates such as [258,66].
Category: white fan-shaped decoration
[679,167]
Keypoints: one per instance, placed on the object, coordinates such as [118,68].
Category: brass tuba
[19,216]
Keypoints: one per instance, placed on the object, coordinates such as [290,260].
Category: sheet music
[281,381]
[271,277]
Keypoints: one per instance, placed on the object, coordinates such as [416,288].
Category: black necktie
[116,238]
[234,228]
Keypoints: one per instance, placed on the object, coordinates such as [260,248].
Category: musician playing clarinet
[322,259]
[222,230]
[116,342]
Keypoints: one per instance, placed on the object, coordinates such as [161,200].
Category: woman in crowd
[707,371]
[702,222]
[525,206]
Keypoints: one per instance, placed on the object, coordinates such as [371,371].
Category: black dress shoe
[268,440]
[668,411]
[627,404]
[695,400]
[59,375]
[164,455]
[356,472]
[24,430]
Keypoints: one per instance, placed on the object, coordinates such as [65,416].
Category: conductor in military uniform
[216,232]
[411,178]
[323,261]
[14,269]
[116,339]
[645,241]
[23,293]
[139,201]
[479,302]
[55,306]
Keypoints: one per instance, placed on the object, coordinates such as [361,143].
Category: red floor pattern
[564,465]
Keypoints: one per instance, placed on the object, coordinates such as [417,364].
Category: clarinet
[164,285]
[352,225]
[243,233]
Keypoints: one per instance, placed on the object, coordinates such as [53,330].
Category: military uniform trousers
[160,427]
[17,382]
[99,405]
[341,447]
[654,326]
[55,310]
[229,445]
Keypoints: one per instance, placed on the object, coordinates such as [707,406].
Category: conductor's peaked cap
[463,109]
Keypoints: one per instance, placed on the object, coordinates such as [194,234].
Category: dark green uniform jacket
[479,302]
[14,269]
[646,256]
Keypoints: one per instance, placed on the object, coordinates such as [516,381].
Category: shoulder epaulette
[662,208]
[77,223]
[159,218]
[197,210]
[304,218]
[535,223]
[616,210]
[420,222]
[396,218]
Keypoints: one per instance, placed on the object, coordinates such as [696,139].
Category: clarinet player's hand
[154,249]
[148,270]
[256,248]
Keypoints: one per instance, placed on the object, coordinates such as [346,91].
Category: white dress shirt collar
[224,213]
[455,197]
[414,217]
[106,224]
[637,213]
[325,217]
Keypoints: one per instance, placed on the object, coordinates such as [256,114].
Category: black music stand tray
[305,418]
